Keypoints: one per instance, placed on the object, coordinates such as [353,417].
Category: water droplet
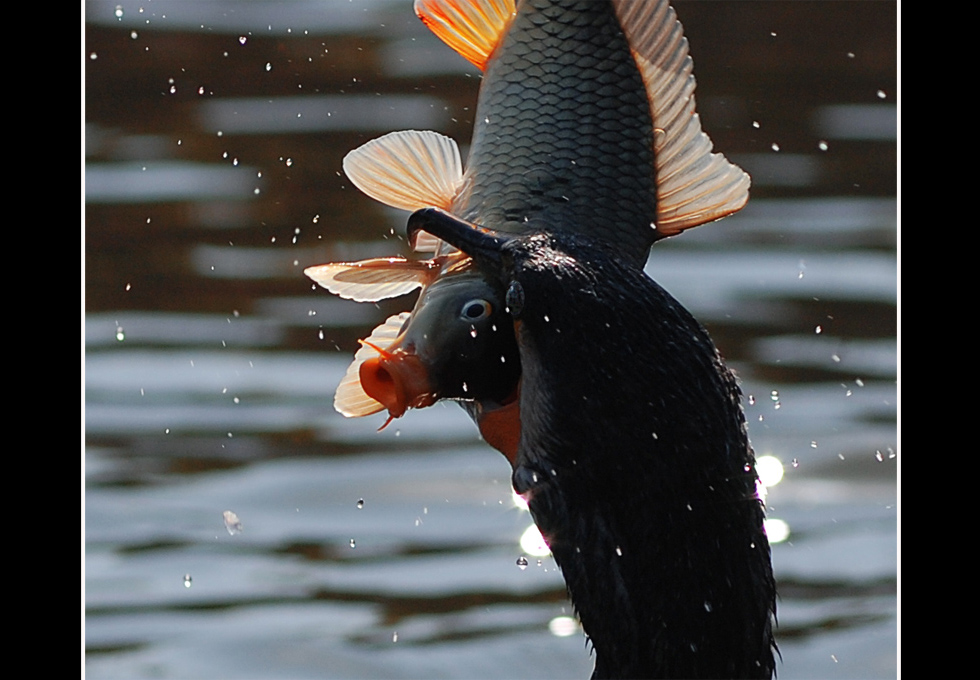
[187,580]
[242,39]
[796,462]
[756,124]
[522,562]
[352,544]
[822,145]
[707,606]
[751,400]
[360,503]
[134,35]
[268,66]
[813,444]
[93,56]
[879,456]
[836,358]
[232,523]
[619,551]
[119,12]
[775,146]
[881,94]
[200,90]
[120,333]
[394,636]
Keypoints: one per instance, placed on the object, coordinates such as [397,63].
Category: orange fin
[471,27]
[501,429]
[694,185]
[350,399]
[375,279]
[411,169]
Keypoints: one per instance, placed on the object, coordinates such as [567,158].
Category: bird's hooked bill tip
[477,241]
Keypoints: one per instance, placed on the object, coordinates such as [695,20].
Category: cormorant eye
[474,310]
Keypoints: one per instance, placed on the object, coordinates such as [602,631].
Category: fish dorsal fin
[694,185]
[410,169]
[350,399]
[471,27]
[375,279]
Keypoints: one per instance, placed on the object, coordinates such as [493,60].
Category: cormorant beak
[484,245]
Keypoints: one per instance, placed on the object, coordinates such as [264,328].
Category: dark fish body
[563,129]
[635,459]
[563,133]
[585,124]
[624,428]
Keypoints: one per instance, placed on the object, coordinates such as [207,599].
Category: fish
[633,457]
[585,122]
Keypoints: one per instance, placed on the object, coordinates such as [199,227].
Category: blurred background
[214,133]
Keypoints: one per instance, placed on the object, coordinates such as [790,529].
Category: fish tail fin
[694,185]
[471,27]
[350,399]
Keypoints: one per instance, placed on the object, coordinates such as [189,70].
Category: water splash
[232,523]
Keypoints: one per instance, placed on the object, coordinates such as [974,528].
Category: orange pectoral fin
[501,429]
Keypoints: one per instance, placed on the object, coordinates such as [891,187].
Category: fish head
[457,344]
[509,261]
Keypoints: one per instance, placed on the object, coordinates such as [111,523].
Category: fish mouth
[398,381]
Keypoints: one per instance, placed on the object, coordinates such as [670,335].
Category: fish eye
[474,310]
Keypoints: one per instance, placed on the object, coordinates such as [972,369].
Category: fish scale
[563,132]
